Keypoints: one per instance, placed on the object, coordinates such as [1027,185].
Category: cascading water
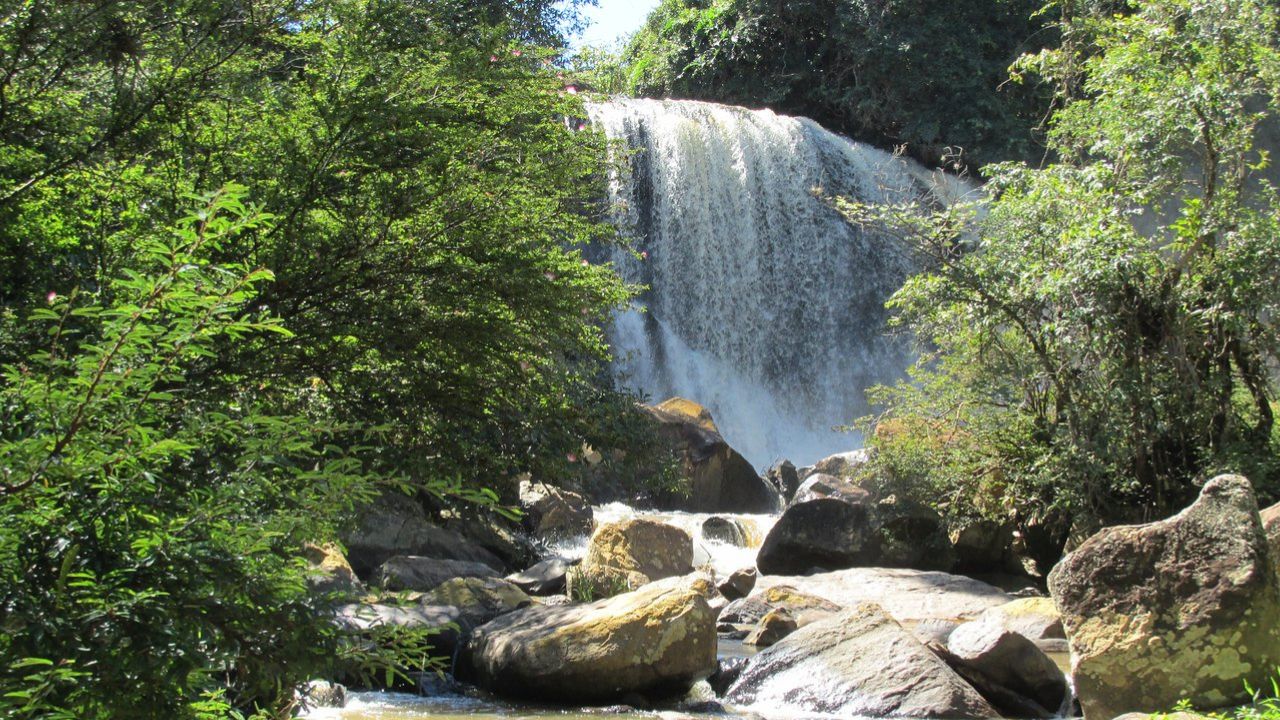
[763,304]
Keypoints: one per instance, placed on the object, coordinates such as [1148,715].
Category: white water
[764,306]
[725,558]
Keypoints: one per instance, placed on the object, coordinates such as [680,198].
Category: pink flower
[586,264]
[493,58]
[51,297]
[571,457]
[644,254]
[571,89]
[516,53]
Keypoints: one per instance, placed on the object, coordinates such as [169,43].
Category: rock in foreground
[860,662]
[1188,607]
[907,595]
[655,641]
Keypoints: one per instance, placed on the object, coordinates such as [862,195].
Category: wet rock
[626,555]
[410,572]
[1187,607]
[719,478]
[544,578]
[860,662]
[551,513]
[1011,661]
[824,533]
[751,610]
[784,478]
[396,525]
[907,595]
[479,599]
[725,530]
[739,584]
[727,671]
[655,641]
[774,626]
[329,571]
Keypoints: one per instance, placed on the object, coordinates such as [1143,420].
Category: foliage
[169,446]
[151,528]
[1098,335]
[903,72]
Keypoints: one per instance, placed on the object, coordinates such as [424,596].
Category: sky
[613,18]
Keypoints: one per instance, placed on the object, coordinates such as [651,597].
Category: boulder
[479,599]
[842,464]
[858,663]
[410,572]
[396,524]
[727,671]
[822,485]
[625,555]
[718,478]
[544,578]
[329,572]
[1011,661]
[774,626]
[322,694]
[739,584]
[909,596]
[784,478]
[751,610]
[655,641]
[1187,607]
[729,531]
[912,535]
[1271,526]
[448,622]
[982,546]
[825,534]
[1036,619]
[552,514]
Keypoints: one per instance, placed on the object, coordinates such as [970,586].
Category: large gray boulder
[824,534]
[1035,618]
[830,533]
[858,663]
[655,641]
[396,524]
[784,478]
[1188,607]
[479,599]
[909,596]
[1010,661]
[718,478]
[547,577]
[410,572]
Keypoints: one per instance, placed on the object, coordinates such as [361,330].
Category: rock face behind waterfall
[860,662]
[657,640]
[1187,607]
[741,259]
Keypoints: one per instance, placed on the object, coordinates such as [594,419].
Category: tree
[1098,334]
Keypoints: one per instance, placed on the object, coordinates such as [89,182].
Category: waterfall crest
[764,305]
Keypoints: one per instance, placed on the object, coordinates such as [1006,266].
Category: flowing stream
[763,305]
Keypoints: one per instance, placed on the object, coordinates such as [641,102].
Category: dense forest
[264,260]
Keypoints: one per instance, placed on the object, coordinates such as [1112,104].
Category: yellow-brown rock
[1187,607]
[623,556]
[655,641]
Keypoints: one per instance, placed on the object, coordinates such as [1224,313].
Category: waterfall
[763,304]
